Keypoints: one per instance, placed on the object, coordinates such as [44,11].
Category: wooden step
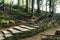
[16,33]
[1,36]
[21,29]
[6,33]
[34,26]
[13,30]
[26,27]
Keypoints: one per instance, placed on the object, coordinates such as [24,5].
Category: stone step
[6,33]
[13,30]
[37,24]
[23,26]
[34,26]
[16,33]
[21,29]
[1,36]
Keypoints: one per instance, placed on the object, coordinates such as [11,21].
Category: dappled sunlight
[58,9]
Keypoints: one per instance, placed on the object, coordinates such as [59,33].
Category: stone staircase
[15,32]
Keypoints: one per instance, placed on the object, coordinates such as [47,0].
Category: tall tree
[46,5]
[11,4]
[38,4]
[22,2]
[49,9]
[3,4]
[27,8]
[33,9]
[50,6]
[30,3]
[18,3]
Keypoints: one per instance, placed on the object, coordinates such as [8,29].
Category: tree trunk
[3,4]
[53,8]
[46,5]
[26,9]
[18,3]
[11,3]
[32,10]
[50,6]
[22,2]
[38,4]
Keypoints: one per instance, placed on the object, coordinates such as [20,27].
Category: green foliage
[11,21]
[58,21]
[5,23]
[4,17]
[7,2]
[0,1]
[19,14]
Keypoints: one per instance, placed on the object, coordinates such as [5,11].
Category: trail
[39,36]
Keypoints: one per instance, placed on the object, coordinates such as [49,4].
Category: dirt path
[38,36]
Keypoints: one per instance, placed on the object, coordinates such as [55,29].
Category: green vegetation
[7,2]
[11,15]
[21,11]
[58,21]
[5,23]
